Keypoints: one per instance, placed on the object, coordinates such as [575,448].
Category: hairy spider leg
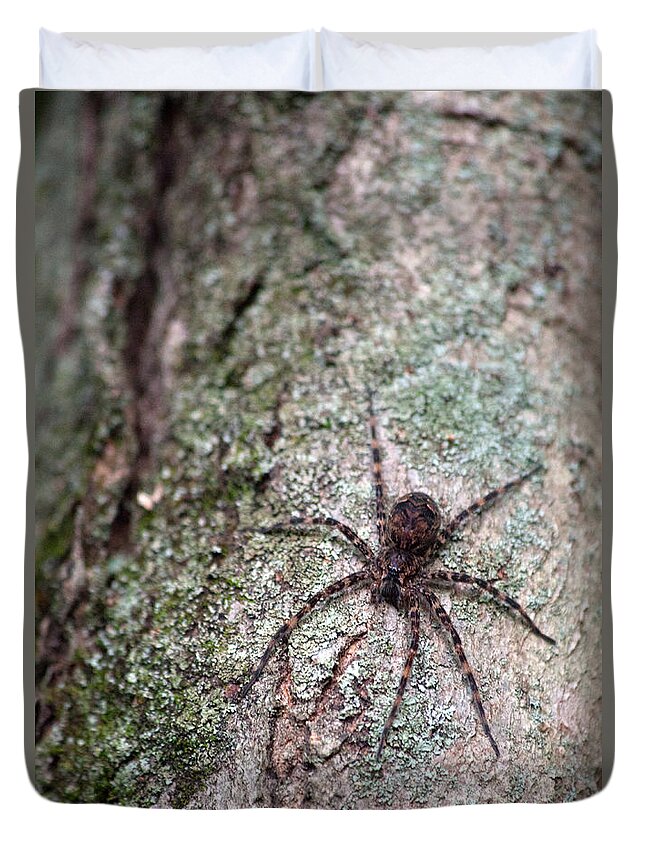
[446,622]
[489,587]
[286,629]
[481,504]
[412,650]
[325,521]
[377,473]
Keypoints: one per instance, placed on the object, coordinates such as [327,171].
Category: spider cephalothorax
[409,539]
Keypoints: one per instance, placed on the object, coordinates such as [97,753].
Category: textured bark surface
[219,279]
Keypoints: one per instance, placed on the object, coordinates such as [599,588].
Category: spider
[410,538]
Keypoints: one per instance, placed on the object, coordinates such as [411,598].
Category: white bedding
[306,61]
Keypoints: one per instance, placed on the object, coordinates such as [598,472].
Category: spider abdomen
[414,523]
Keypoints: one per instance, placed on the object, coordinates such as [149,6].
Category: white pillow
[567,62]
[286,62]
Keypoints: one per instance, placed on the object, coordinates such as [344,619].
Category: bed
[262,317]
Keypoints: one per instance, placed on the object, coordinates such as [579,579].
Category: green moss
[56,543]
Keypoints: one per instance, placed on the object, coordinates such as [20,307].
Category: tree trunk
[220,279]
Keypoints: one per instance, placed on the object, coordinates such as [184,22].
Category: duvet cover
[317,401]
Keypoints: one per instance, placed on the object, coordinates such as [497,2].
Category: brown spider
[409,539]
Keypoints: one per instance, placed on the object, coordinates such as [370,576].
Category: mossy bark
[219,279]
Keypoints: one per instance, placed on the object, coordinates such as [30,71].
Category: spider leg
[326,521]
[446,622]
[498,595]
[285,630]
[412,650]
[377,473]
[481,504]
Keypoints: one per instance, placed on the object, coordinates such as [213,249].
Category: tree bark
[220,277]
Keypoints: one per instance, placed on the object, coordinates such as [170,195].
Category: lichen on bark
[256,261]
